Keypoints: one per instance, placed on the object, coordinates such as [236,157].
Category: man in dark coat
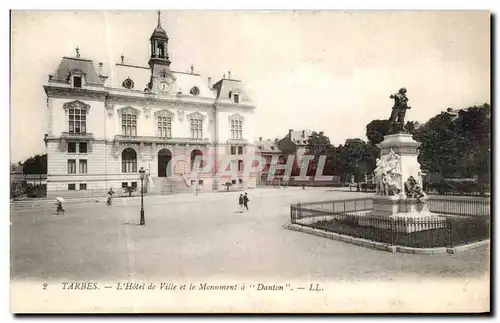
[245,201]
[240,203]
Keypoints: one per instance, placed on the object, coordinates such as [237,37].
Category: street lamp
[141,174]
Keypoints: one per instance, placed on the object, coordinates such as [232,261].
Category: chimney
[321,133]
[303,133]
[123,59]
[209,82]
[229,74]
[260,138]
[290,133]
[276,140]
[100,68]
[192,68]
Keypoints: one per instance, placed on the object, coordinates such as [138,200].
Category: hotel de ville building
[102,129]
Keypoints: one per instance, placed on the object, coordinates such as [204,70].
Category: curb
[468,246]
[384,246]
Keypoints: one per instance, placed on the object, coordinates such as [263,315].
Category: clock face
[164,86]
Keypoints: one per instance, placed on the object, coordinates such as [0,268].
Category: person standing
[240,203]
[245,201]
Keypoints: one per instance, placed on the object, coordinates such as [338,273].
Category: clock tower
[161,78]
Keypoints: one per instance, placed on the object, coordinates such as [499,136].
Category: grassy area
[455,232]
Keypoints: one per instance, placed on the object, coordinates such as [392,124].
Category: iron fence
[455,223]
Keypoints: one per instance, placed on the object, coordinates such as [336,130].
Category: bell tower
[159,62]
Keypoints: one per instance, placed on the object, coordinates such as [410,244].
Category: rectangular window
[236,129]
[124,184]
[240,165]
[129,125]
[83,147]
[134,184]
[77,81]
[236,98]
[193,182]
[71,147]
[200,182]
[71,187]
[241,181]
[233,181]
[196,128]
[233,150]
[83,166]
[83,186]
[165,127]
[71,166]
[77,120]
[240,150]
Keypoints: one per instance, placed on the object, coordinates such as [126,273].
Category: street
[205,236]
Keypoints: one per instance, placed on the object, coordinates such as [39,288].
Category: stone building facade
[102,130]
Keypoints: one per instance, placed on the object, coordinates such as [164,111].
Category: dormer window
[128,83]
[235,96]
[195,91]
[77,81]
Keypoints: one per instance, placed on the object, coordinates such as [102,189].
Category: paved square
[205,236]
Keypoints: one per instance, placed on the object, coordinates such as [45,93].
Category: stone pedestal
[405,214]
[402,215]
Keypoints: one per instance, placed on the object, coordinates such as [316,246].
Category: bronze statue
[399,109]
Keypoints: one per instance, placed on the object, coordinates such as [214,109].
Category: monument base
[406,214]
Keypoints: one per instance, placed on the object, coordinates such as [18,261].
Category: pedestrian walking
[245,201]
[110,196]
[240,203]
[59,205]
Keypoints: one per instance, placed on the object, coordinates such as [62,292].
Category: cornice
[235,105]
[151,100]
[64,92]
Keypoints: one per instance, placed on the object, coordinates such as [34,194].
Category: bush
[464,187]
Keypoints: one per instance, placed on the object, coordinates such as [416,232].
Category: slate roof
[267,146]
[226,86]
[69,64]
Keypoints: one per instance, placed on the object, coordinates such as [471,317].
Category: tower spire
[159,18]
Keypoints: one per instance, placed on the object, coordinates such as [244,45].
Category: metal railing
[456,223]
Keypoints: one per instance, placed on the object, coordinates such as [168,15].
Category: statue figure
[388,174]
[413,189]
[399,109]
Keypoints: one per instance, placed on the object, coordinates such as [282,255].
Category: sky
[330,71]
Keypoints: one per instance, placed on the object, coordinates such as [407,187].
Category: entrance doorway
[164,158]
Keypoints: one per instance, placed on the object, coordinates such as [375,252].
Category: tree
[376,130]
[319,145]
[35,165]
[357,158]
[457,145]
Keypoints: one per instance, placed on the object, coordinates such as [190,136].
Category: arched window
[195,153]
[129,161]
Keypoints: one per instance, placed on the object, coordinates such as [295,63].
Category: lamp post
[141,174]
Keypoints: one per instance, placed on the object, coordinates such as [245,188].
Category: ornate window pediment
[76,105]
[196,115]
[164,113]
[129,110]
[236,117]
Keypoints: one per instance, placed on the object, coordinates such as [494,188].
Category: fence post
[449,230]
[393,224]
